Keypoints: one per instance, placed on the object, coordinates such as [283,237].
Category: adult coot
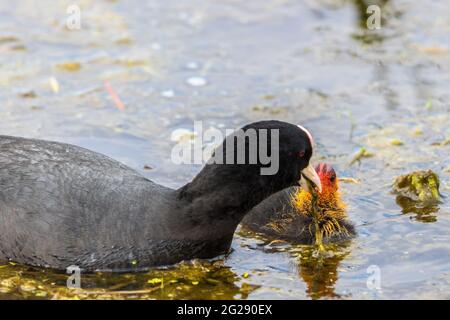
[287,215]
[62,205]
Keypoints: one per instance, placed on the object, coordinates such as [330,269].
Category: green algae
[360,154]
[421,186]
[188,280]
[418,192]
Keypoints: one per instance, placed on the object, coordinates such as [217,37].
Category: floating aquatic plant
[418,192]
[361,153]
[421,186]
[70,66]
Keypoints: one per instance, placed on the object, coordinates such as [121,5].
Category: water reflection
[422,212]
[320,272]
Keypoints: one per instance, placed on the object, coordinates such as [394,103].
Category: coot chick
[287,215]
[62,205]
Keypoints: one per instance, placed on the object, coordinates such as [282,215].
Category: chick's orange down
[293,216]
[330,209]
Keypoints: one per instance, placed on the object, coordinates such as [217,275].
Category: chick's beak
[310,173]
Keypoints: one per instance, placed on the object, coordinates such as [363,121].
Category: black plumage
[63,205]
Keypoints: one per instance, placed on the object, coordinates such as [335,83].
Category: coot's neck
[220,196]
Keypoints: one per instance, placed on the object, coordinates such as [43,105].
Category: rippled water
[228,63]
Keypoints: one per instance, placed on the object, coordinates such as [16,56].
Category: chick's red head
[328,198]
[328,178]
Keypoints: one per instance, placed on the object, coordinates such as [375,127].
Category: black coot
[62,205]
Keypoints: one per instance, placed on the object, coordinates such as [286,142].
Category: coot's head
[283,151]
[256,161]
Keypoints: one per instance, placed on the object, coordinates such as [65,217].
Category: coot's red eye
[301,154]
